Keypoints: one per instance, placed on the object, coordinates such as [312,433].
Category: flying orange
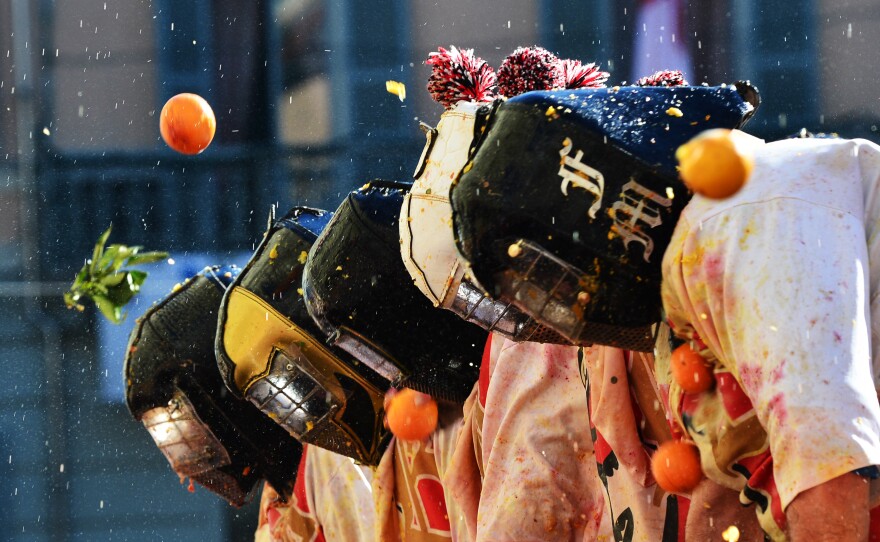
[676,466]
[713,165]
[187,123]
[411,415]
[690,370]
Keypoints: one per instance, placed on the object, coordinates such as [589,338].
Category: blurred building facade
[298,87]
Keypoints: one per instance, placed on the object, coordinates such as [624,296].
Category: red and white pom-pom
[458,75]
[527,69]
[663,78]
[579,75]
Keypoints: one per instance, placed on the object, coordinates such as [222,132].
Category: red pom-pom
[663,78]
[527,69]
[458,75]
[579,75]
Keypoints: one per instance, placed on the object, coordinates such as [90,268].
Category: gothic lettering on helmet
[639,204]
[574,172]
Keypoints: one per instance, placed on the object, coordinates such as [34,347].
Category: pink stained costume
[401,500]
[411,503]
[776,286]
[524,467]
[332,501]
[628,422]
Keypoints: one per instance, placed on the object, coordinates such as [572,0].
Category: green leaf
[108,258]
[113,280]
[137,277]
[122,293]
[110,310]
[91,288]
[147,257]
[117,255]
[107,278]
[98,251]
[83,274]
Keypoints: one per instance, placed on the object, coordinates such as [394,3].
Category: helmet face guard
[174,388]
[185,440]
[271,353]
[571,198]
[360,294]
[427,242]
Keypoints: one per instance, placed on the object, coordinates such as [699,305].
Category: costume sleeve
[262,534]
[462,479]
[627,424]
[779,291]
[266,496]
[340,495]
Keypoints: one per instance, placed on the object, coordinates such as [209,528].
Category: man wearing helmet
[586,263]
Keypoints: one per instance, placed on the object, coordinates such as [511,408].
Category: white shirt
[777,282]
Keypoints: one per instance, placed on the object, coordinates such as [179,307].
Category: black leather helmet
[360,294]
[173,386]
[427,243]
[271,352]
[571,198]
